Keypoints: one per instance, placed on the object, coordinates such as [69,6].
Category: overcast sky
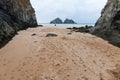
[81,11]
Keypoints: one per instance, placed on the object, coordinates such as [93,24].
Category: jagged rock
[69,21]
[108,25]
[15,15]
[56,21]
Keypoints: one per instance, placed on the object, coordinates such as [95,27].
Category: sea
[67,25]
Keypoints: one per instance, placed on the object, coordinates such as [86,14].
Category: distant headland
[59,21]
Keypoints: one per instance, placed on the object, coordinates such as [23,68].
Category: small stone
[33,34]
[51,35]
[69,33]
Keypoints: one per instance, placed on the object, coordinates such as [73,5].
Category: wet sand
[76,56]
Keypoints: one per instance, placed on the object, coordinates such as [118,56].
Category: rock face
[15,15]
[69,21]
[56,21]
[108,25]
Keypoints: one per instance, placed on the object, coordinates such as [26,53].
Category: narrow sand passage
[77,56]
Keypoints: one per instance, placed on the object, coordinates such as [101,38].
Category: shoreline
[67,25]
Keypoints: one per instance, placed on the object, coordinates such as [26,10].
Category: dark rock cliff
[15,15]
[108,25]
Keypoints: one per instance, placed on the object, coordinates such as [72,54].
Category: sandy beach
[31,55]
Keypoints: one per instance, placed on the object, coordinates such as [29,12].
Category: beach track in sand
[31,55]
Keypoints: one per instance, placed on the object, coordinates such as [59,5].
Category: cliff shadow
[4,42]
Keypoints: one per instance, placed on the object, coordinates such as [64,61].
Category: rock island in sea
[69,21]
[59,21]
[56,21]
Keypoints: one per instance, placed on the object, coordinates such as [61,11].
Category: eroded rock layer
[15,15]
[108,25]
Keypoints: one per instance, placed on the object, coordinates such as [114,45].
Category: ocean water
[67,25]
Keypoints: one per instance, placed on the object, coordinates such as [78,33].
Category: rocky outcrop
[69,21]
[84,29]
[15,15]
[108,25]
[56,21]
